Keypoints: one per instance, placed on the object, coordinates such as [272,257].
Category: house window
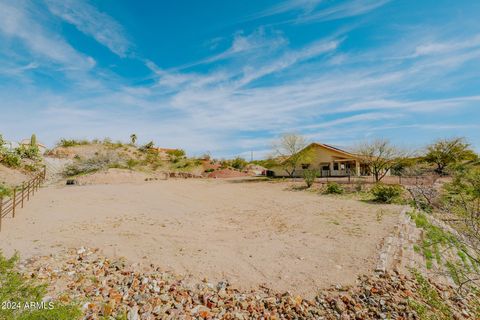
[326,167]
[305,165]
[335,166]
[342,166]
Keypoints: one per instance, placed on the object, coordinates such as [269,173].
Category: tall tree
[291,149]
[446,152]
[380,156]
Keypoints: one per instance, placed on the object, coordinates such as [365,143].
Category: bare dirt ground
[11,177]
[249,233]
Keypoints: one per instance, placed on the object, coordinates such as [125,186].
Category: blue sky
[229,77]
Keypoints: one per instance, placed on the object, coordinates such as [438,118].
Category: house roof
[28,141]
[330,147]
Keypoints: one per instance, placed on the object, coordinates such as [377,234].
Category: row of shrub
[380,192]
[83,142]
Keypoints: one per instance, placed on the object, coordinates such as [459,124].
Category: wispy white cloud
[343,10]
[89,20]
[308,11]
[305,6]
[18,21]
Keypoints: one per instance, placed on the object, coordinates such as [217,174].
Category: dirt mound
[114,176]
[227,173]
[12,177]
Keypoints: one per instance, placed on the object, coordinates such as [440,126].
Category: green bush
[176,153]
[5,191]
[386,193]
[28,152]
[10,159]
[334,188]
[239,163]
[309,177]
[72,142]
[131,163]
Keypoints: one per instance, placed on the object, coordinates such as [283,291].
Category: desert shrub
[187,164]
[267,163]
[113,145]
[359,186]
[334,188]
[72,142]
[99,162]
[2,141]
[5,190]
[176,155]
[28,152]
[152,159]
[238,163]
[146,147]
[10,159]
[16,288]
[309,177]
[31,167]
[209,170]
[386,193]
[131,163]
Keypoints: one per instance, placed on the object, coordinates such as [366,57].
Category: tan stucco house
[329,161]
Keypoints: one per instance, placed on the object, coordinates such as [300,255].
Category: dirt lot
[250,233]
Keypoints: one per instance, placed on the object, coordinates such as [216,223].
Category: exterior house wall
[329,162]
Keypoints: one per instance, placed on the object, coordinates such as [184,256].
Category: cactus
[33,140]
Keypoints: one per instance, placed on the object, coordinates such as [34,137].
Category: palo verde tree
[447,152]
[380,156]
[291,148]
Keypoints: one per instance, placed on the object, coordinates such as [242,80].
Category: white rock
[133,313]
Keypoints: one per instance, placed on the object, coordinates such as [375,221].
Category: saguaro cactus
[33,140]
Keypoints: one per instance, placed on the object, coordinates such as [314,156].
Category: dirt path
[55,168]
[249,233]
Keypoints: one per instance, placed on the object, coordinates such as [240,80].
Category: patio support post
[357,168]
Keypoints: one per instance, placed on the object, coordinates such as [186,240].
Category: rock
[113,286]
[164,297]
[133,314]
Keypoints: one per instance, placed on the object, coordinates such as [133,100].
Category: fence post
[23,192]
[14,203]
[28,190]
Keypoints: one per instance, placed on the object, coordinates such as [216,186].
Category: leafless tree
[380,156]
[290,149]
